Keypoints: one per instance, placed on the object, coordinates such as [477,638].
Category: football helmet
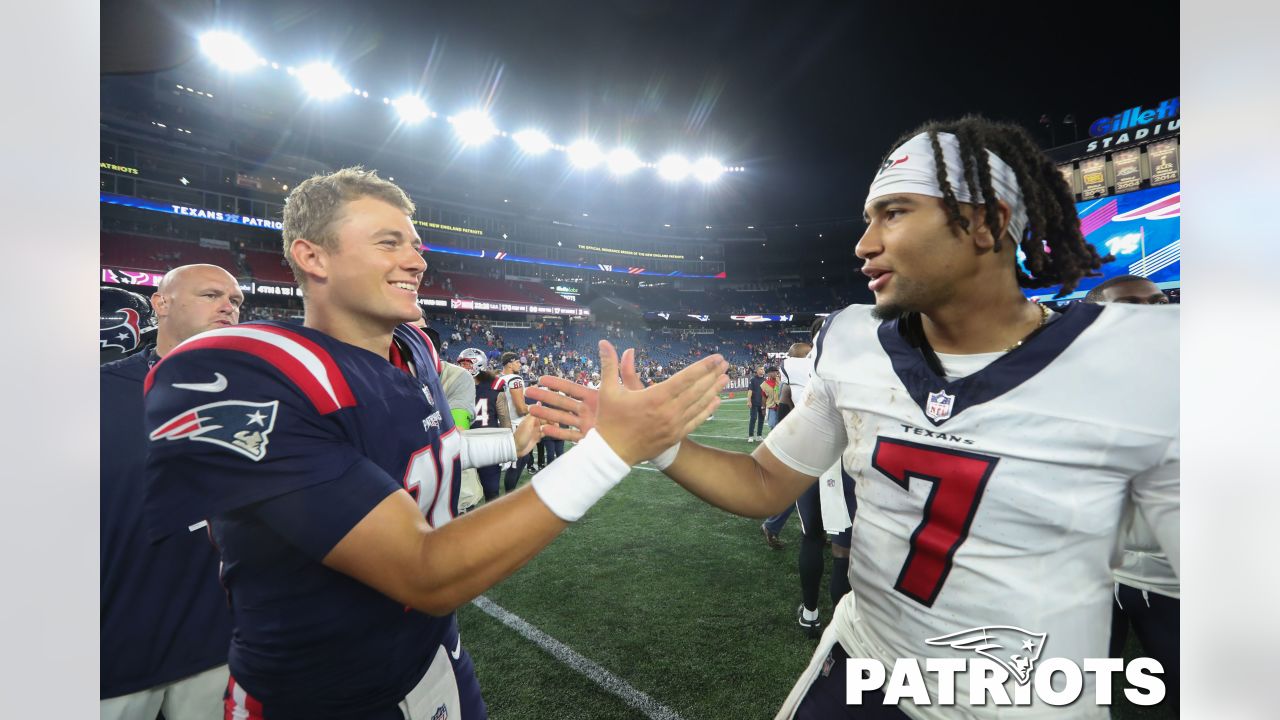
[127,323]
[477,357]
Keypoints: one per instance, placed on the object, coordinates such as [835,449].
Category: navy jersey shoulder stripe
[305,363]
[431,348]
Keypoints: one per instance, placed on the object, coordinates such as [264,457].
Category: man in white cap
[995,446]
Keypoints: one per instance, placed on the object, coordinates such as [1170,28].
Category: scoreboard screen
[1142,229]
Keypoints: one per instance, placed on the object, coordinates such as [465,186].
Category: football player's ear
[986,237]
[309,257]
[160,304]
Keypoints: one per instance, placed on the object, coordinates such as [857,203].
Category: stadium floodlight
[623,161]
[674,168]
[708,169]
[533,142]
[322,81]
[411,109]
[228,51]
[473,127]
[585,154]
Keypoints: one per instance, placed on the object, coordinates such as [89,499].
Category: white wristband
[483,447]
[668,456]
[569,490]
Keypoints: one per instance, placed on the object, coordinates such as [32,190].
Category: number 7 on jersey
[959,478]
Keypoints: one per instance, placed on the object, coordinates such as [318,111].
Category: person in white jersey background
[995,445]
[1147,591]
[513,384]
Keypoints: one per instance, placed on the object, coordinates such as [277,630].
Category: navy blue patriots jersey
[285,438]
[487,399]
[163,614]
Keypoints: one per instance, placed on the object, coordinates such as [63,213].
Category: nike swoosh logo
[457,652]
[217,385]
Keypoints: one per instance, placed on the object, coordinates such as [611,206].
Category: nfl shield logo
[939,405]
[427,393]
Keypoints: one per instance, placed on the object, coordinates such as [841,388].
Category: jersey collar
[941,400]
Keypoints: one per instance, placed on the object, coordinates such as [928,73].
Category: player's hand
[562,402]
[527,436]
[640,424]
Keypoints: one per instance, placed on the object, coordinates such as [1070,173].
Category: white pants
[198,697]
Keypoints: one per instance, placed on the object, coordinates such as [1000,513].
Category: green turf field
[682,602]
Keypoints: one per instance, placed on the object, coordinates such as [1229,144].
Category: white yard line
[565,654]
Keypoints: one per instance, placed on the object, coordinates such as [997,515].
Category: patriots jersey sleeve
[231,424]
[1157,494]
[515,382]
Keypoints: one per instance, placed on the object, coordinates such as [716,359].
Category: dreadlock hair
[1056,251]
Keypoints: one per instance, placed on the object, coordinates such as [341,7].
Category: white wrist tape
[668,456]
[487,446]
[569,490]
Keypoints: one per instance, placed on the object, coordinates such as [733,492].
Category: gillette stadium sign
[1134,124]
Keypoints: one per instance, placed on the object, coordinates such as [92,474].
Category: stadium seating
[148,253]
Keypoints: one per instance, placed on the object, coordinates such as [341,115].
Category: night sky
[806,95]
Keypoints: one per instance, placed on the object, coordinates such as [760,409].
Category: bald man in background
[166,627]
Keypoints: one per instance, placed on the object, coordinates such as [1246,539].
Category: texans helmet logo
[244,427]
[123,332]
[1012,648]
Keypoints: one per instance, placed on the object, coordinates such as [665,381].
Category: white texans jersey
[796,372]
[995,499]
[512,382]
[1143,564]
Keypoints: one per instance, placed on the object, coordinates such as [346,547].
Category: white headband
[911,169]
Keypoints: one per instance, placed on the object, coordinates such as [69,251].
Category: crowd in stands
[569,349]
[712,300]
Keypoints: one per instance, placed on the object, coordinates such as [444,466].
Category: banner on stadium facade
[1069,174]
[150,278]
[448,228]
[1163,157]
[1093,177]
[250,221]
[1135,125]
[637,253]
[141,278]
[598,267]
[124,169]
[719,318]
[1128,173]
[488,305]
[187,211]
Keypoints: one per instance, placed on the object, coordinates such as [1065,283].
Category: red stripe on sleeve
[293,369]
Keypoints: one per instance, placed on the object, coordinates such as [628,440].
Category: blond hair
[314,206]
